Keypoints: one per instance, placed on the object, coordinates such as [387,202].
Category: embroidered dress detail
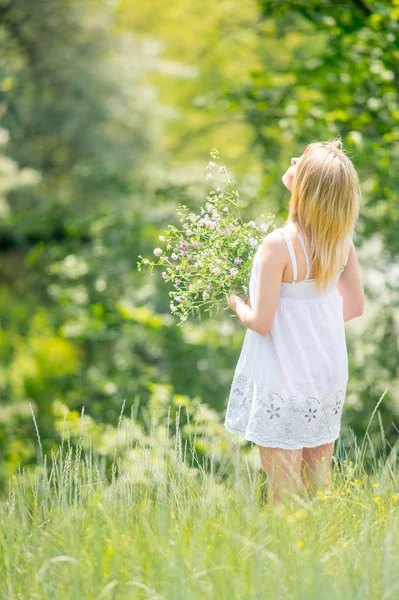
[289,386]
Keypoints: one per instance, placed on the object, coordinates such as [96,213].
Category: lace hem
[280,418]
[251,437]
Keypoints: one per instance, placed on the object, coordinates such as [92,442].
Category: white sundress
[289,385]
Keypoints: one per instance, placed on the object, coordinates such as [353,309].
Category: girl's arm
[272,262]
[351,288]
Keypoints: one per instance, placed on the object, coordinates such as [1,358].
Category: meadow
[169,522]
[108,113]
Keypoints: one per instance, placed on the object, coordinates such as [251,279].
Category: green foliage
[105,130]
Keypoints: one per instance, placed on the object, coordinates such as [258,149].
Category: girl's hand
[233,301]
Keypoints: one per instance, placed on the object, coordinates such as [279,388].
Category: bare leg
[283,469]
[316,463]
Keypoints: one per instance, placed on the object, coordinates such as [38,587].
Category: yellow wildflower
[375,484]
[394,497]
[301,544]
[323,497]
[319,492]
[348,491]
[377,498]
[356,480]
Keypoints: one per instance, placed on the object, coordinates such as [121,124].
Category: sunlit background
[108,113]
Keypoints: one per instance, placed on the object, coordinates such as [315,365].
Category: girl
[290,381]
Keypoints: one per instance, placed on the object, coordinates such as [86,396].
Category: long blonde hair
[325,202]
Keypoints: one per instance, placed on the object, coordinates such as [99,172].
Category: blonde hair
[325,202]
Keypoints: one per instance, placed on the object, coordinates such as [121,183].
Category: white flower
[161,238]
[252,224]
[157,251]
[210,165]
[209,177]
[252,241]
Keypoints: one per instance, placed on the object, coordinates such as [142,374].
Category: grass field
[159,527]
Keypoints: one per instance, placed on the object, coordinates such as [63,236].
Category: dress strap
[305,253]
[291,251]
[343,266]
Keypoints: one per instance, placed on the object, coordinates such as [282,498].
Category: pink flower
[177,282]
[209,177]
[216,270]
[252,224]
[190,257]
[174,256]
[210,165]
[234,271]
[183,244]
[252,241]
[205,295]
[178,299]
[157,251]
[164,259]
[238,260]
[173,308]
[164,274]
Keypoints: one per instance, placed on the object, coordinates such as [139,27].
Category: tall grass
[168,522]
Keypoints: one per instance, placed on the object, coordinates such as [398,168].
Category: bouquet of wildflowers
[211,254]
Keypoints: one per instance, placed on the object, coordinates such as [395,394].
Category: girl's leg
[316,463]
[283,469]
